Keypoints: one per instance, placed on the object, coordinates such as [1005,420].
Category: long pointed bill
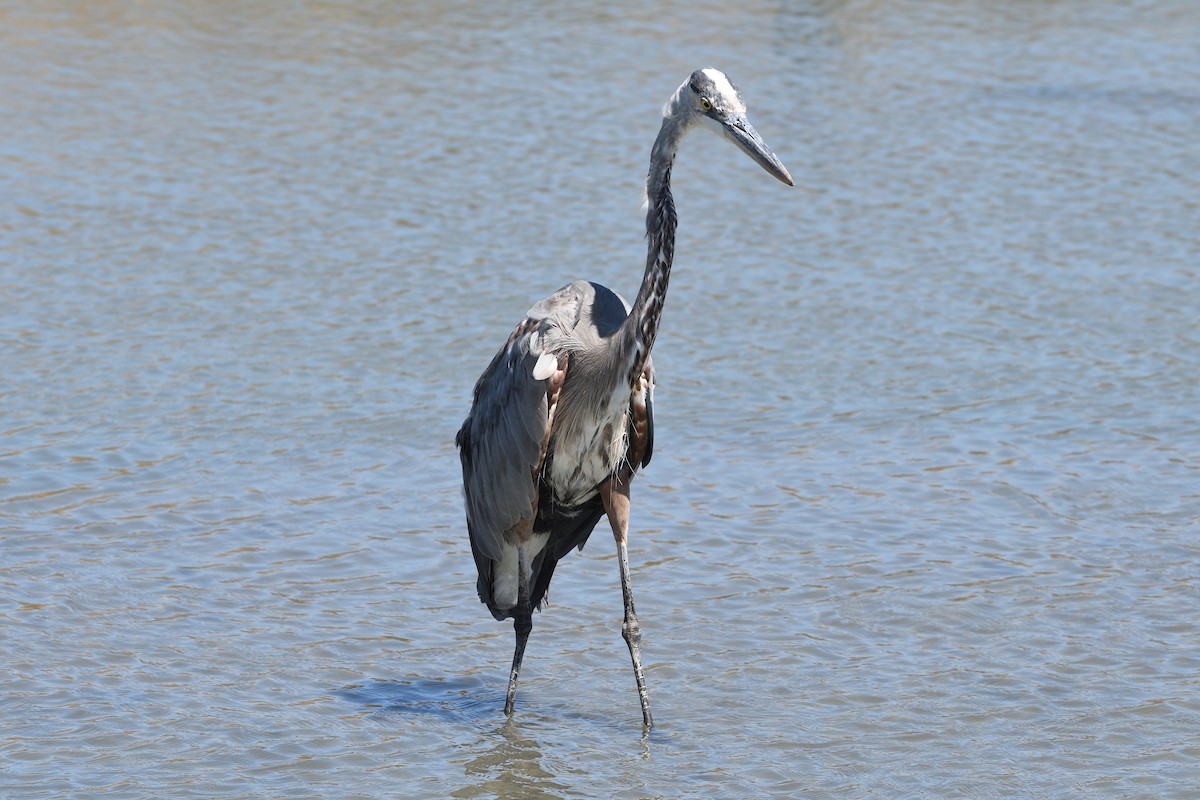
[738,130]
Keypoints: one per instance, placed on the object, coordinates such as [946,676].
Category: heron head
[709,98]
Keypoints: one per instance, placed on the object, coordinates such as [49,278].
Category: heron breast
[586,452]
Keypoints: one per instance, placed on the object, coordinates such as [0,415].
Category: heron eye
[706,104]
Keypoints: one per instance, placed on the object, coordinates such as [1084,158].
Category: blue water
[922,516]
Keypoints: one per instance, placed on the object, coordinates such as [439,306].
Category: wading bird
[562,416]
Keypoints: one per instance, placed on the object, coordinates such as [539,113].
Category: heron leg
[522,625]
[615,496]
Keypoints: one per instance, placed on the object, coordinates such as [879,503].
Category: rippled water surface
[922,518]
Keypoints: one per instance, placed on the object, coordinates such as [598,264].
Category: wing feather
[500,442]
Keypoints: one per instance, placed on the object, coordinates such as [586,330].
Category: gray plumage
[562,417]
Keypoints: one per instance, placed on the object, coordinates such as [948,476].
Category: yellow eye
[705,104]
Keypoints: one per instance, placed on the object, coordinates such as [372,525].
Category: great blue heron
[562,416]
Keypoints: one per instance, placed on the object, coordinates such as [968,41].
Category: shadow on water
[452,699]
[478,701]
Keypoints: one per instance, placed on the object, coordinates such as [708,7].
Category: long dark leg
[522,625]
[615,496]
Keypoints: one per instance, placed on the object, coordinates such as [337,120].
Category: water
[922,515]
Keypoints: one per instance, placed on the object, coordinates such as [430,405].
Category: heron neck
[641,326]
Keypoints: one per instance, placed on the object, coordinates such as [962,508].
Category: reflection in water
[511,768]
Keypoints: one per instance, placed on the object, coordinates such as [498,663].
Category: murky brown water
[922,519]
